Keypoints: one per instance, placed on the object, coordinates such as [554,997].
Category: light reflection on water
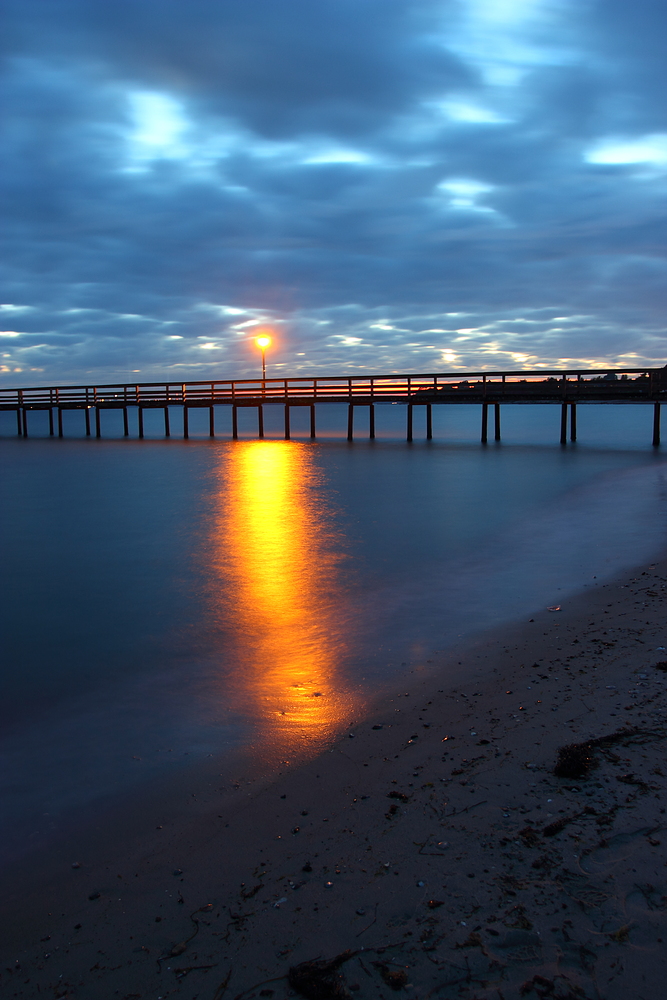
[168,602]
[277,561]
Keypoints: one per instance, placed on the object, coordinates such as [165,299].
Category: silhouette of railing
[567,387]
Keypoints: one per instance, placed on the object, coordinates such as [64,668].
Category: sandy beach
[431,851]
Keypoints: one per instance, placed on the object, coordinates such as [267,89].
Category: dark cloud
[356,171]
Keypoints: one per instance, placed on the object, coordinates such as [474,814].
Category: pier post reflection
[278,558]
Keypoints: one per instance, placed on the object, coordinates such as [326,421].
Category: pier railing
[591,385]
[565,386]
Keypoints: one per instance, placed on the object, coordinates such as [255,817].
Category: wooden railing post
[563,423]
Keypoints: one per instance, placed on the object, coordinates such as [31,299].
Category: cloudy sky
[392,185]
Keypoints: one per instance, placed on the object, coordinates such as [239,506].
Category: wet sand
[432,841]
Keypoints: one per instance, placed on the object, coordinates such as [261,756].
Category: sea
[167,601]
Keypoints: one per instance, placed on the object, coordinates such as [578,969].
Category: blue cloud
[372,178]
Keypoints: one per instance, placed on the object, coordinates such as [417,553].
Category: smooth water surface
[163,601]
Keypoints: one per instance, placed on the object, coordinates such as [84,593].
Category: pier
[565,388]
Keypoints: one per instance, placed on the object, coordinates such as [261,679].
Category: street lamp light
[263,342]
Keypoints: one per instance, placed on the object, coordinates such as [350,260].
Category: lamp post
[263,342]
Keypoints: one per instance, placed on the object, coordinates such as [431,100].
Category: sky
[390,185]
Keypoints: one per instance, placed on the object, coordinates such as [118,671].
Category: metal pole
[429,422]
[167,429]
[496,413]
[409,435]
[371,421]
[260,420]
[211,422]
[87,411]
[485,422]
[98,428]
[50,421]
[287,428]
[573,421]
[186,425]
[235,423]
[350,421]
[60,421]
[656,424]
[19,422]
[312,421]
[126,424]
[25,422]
[140,414]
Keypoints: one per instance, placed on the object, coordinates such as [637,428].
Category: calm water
[163,601]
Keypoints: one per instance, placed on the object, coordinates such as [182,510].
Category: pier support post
[60,421]
[126,424]
[429,422]
[235,423]
[260,420]
[563,423]
[211,422]
[50,421]
[87,413]
[409,435]
[98,427]
[186,423]
[167,428]
[485,422]
[496,421]
[25,422]
[573,422]
[312,421]
[287,426]
[19,422]
[371,421]
[656,425]
[350,421]
[140,414]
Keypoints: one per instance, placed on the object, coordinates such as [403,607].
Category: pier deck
[565,387]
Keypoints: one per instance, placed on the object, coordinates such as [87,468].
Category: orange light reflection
[280,561]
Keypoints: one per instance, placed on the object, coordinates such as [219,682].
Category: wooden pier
[565,388]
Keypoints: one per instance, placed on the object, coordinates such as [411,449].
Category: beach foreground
[432,850]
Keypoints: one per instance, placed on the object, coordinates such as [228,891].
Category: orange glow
[279,559]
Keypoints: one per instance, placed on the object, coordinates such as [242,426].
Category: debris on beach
[321,979]
[396,979]
[576,760]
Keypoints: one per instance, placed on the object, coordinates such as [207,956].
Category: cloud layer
[394,185]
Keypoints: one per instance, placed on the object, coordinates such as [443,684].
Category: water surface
[164,601]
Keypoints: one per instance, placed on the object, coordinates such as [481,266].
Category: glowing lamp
[263,342]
